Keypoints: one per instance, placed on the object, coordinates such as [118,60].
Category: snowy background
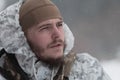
[96,27]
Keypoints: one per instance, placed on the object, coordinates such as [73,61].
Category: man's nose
[56,32]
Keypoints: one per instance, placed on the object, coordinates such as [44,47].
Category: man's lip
[56,45]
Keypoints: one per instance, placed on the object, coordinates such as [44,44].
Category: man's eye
[45,28]
[59,25]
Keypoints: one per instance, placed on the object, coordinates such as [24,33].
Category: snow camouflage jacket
[12,39]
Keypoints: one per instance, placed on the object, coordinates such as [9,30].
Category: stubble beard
[48,60]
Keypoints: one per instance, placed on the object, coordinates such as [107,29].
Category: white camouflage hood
[12,39]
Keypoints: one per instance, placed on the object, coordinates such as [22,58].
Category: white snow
[112,68]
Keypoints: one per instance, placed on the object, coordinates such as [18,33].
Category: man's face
[46,39]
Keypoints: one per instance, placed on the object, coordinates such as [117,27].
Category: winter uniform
[12,39]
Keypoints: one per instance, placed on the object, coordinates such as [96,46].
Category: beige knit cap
[35,11]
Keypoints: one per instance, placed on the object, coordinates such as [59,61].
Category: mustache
[55,42]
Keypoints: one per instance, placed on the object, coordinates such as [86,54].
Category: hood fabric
[12,39]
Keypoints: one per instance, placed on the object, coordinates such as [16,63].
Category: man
[44,30]
[49,56]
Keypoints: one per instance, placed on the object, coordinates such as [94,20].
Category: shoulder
[86,63]
[86,67]
[85,57]
[87,60]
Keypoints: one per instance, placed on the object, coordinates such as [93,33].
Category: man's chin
[54,62]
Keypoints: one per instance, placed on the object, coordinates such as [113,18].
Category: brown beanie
[35,11]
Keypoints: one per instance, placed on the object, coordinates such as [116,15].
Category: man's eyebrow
[61,21]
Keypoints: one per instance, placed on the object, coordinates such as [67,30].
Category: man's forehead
[50,21]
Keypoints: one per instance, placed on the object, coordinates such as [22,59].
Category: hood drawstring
[52,74]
